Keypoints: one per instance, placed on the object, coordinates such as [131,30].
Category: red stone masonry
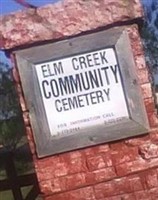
[63,19]
[126,169]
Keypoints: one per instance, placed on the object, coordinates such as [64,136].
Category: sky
[9,6]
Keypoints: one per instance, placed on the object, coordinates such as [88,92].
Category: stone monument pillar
[89,142]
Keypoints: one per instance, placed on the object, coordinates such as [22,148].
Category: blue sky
[9,6]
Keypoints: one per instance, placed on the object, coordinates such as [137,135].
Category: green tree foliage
[149,34]
[11,125]
[150,42]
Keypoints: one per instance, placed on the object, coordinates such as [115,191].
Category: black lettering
[46,93]
[65,104]
[82,62]
[89,60]
[106,74]
[103,58]
[100,77]
[87,101]
[75,83]
[114,70]
[85,81]
[44,70]
[96,58]
[50,73]
[75,67]
[54,88]
[58,107]
[58,68]
[80,101]
[73,103]
[99,95]
[64,85]
[107,92]
[93,98]
[93,79]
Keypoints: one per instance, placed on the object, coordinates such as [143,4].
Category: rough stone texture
[126,169]
[65,18]
[149,151]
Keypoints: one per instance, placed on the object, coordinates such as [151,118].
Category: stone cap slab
[63,19]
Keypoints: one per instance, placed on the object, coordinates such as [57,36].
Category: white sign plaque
[82,91]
